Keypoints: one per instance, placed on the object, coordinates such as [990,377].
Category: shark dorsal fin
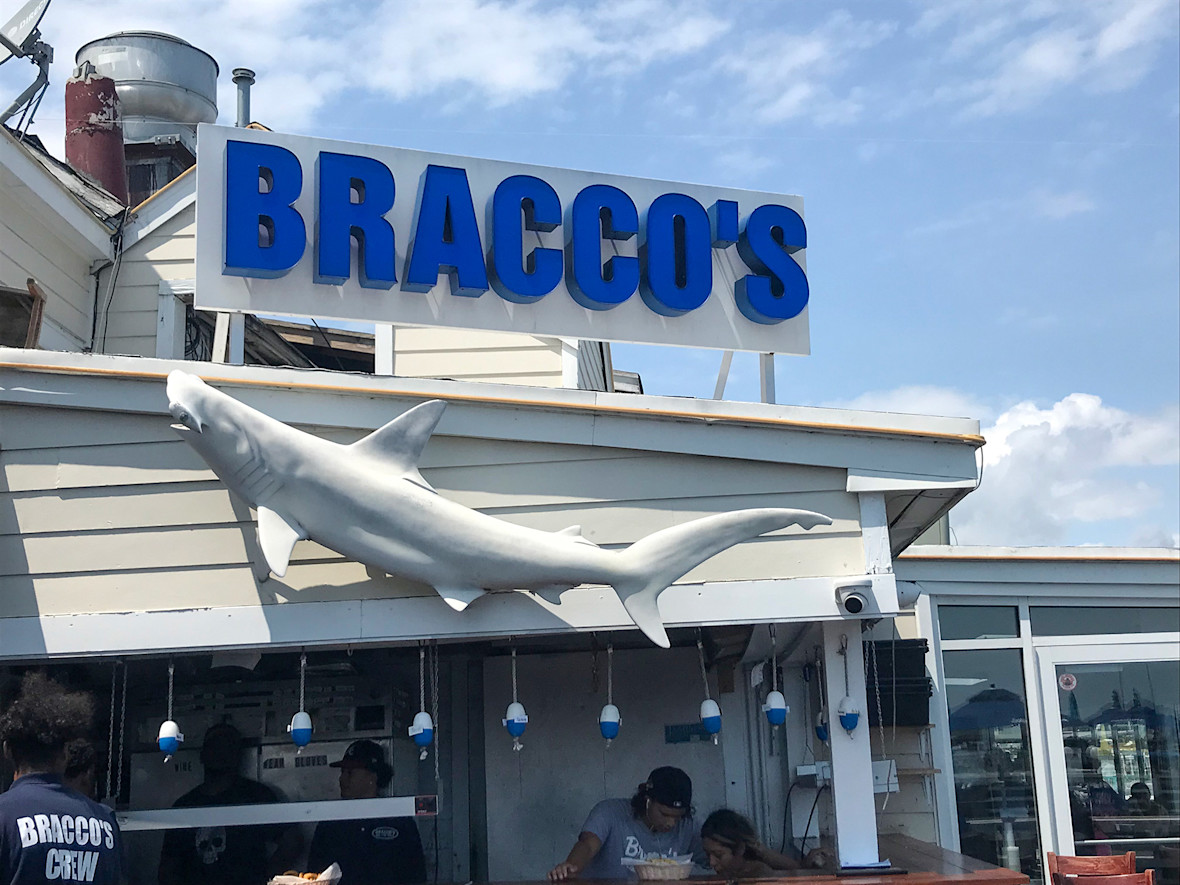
[399,443]
[277,536]
[575,532]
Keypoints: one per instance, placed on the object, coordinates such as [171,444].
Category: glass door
[1113,727]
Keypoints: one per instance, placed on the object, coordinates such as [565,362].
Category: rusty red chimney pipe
[94,130]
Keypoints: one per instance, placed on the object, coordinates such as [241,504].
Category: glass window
[978,622]
[993,766]
[1118,721]
[1102,620]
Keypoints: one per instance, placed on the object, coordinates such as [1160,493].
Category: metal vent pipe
[243,79]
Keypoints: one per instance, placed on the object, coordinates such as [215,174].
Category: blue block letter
[600,212]
[339,219]
[264,234]
[516,277]
[677,255]
[446,236]
[777,290]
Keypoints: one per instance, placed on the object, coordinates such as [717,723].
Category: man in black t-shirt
[377,851]
[47,830]
[242,855]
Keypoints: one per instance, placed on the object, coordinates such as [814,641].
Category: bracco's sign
[309,227]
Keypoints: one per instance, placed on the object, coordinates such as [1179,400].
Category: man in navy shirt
[47,830]
[377,851]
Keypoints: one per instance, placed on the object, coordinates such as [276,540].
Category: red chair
[1112,865]
[1147,877]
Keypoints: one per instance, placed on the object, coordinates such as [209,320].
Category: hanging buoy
[300,729]
[776,708]
[422,731]
[609,722]
[710,716]
[170,739]
[821,725]
[515,719]
[849,715]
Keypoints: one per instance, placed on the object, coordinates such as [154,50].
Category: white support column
[874,529]
[723,374]
[169,327]
[383,343]
[766,372]
[852,761]
[569,363]
[229,339]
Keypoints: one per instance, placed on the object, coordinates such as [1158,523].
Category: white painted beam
[383,349]
[852,761]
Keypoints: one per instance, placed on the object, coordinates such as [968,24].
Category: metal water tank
[166,85]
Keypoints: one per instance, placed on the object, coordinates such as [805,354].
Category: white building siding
[31,249]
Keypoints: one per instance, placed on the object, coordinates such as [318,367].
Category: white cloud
[1060,205]
[918,400]
[1050,472]
[784,75]
[1002,56]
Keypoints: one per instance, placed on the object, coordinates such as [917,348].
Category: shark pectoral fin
[552,594]
[459,598]
[644,610]
[575,532]
[399,443]
[277,537]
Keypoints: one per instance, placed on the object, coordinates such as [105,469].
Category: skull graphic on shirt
[210,843]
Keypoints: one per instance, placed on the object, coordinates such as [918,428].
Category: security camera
[853,598]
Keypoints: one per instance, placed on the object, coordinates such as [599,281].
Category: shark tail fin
[653,563]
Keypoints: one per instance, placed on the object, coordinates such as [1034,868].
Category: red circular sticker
[1067,681]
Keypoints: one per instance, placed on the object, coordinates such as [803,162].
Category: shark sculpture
[368,502]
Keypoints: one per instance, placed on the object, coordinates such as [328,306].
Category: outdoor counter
[913,863]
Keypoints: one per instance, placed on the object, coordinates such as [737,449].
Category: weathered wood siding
[110,512]
[31,248]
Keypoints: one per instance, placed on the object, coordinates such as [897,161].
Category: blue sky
[991,190]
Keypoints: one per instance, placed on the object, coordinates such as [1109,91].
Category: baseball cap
[363,754]
[670,786]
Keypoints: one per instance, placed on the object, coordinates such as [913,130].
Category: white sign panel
[302,226]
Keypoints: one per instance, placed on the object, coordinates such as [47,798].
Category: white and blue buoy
[170,739]
[300,729]
[821,724]
[849,715]
[776,708]
[422,731]
[609,721]
[515,719]
[710,716]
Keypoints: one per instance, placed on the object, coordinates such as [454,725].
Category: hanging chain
[877,686]
[122,734]
[610,674]
[514,675]
[434,713]
[704,673]
[302,680]
[111,735]
[171,670]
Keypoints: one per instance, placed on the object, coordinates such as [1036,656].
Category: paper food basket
[330,876]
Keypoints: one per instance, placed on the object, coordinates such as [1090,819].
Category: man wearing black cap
[376,851]
[655,822]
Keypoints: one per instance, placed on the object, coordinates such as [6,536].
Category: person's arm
[584,851]
[773,859]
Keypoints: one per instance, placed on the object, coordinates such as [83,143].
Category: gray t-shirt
[623,836]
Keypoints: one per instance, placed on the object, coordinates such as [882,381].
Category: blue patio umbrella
[990,708]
